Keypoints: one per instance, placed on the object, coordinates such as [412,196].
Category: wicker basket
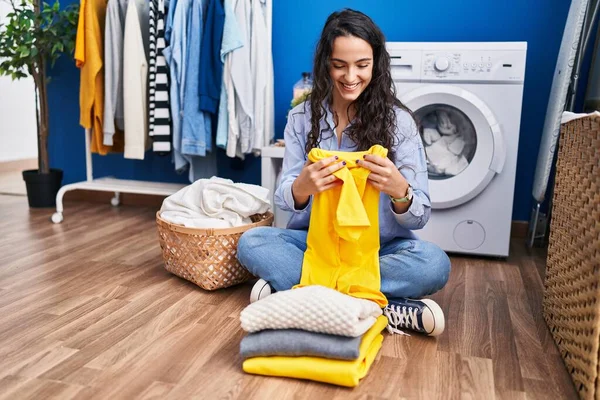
[206,257]
[572,284]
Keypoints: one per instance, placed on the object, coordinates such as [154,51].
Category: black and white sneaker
[423,316]
[260,290]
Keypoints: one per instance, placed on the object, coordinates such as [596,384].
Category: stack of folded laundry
[313,333]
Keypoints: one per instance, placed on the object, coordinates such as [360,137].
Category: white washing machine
[467,99]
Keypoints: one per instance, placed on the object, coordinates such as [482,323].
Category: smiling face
[350,69]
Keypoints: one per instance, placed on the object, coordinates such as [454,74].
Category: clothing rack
[118,186]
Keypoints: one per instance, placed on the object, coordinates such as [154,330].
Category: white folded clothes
[311,308]
[215,203]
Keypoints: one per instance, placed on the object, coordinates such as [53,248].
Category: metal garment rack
[119,186]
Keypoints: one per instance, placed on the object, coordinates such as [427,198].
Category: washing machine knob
[442,64]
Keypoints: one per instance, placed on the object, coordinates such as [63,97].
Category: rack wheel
[57,217]
[115,201]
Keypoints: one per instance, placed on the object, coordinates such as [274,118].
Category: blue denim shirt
[196,128]
[176,54]
[410,160]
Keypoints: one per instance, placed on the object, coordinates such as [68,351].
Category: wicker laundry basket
[572,285]
[206,257]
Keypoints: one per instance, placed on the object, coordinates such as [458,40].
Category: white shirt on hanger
[135,74]
[233,131]
[260,55]
[242,113]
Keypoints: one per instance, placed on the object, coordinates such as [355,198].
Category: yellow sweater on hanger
[343,236]
[89,51]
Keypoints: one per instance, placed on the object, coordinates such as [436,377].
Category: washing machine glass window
[449,138]
[483,148]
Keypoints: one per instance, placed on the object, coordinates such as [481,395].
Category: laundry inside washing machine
[449,138]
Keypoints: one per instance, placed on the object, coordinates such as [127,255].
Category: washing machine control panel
[475,62]
[479,65]
[445,64]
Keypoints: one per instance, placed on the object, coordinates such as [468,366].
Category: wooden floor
[87,311]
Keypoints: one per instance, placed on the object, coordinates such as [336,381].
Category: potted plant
[32,37]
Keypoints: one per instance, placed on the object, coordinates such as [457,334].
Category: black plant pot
[42,188]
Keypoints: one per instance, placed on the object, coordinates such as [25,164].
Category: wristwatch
[405,199]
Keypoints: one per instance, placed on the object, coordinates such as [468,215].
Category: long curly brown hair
[375,118]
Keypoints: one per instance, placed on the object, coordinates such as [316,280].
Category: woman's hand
[315,178]
[386,177]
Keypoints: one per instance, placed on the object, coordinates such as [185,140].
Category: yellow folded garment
[343,373]
[343,236]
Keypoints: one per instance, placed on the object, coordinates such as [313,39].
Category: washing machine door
[463,142]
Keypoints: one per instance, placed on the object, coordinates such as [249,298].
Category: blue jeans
[409,267]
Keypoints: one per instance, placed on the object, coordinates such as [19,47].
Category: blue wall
[296,26]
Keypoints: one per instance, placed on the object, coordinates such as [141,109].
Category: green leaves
[57,48]
[34,35]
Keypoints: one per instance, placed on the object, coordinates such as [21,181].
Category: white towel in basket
[215,203]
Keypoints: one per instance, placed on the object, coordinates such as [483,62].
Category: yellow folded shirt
[337,372]
[343,236]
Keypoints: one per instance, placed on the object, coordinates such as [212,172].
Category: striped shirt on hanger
[159,115]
